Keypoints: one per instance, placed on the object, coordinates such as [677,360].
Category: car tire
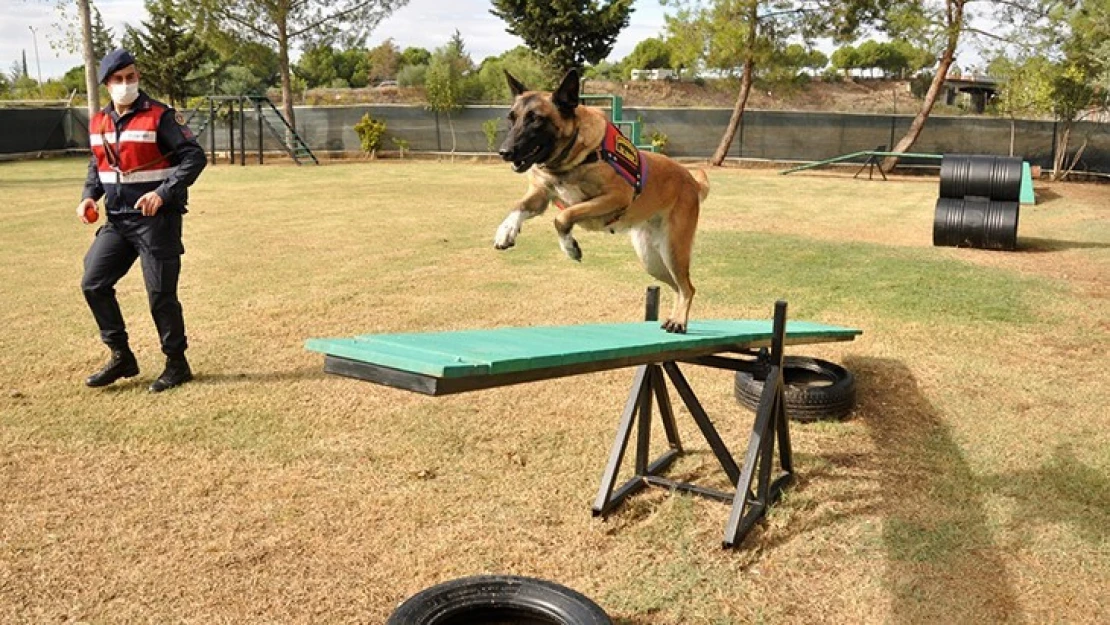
[498,599]
[814,389]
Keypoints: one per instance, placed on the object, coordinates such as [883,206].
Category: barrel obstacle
[979,201]
[443,363]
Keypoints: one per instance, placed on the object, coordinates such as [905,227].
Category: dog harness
[624,158]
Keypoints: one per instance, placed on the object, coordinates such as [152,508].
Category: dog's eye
[512,117]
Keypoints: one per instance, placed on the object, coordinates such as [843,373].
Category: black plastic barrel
[975,222]
[987,176]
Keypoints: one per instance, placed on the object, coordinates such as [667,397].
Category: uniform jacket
[148,148]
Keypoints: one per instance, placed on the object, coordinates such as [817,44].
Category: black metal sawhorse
[872,163]
[755,488]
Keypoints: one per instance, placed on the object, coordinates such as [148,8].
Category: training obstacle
[443,363]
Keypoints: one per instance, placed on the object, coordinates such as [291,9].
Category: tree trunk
[737,115]
[1059,160]
[286,81]
[454,142]
[92,88]
[954,23]
[745,90]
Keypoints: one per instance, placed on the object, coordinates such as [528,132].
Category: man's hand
[86,211]
[149,204]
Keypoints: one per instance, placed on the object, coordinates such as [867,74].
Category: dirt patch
[859,95]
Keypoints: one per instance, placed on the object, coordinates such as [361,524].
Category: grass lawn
[970,485]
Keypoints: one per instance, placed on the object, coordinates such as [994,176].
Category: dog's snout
[506,153]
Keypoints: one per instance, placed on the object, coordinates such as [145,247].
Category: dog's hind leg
[652,244]
[676,255]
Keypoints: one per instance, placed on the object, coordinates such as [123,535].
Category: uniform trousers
[156,241]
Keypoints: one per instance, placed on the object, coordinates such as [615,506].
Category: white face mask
[125,93]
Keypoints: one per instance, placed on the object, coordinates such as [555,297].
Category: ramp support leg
[757,486]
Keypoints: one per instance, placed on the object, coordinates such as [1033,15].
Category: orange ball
[91,214]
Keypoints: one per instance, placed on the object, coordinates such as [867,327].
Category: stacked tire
[979,202]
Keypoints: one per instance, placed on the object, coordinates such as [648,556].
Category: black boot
[122,365]
[177,372]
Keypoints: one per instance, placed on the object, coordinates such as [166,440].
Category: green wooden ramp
[439,363]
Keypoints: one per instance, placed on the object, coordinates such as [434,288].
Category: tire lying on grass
[498,600]
[814,389]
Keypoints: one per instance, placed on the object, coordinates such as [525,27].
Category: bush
[659,141]
[370,131]
[489,127]
[412,75]
[402,144]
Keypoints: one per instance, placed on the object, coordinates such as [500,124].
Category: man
[144,159]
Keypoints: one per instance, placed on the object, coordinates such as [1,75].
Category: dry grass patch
[970,485]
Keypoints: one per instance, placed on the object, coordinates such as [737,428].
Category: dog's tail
[703,183]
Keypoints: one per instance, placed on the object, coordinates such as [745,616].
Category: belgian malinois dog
[578,160]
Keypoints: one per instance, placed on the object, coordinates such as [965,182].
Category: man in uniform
[144,159]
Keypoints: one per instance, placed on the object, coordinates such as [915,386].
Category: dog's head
[539,122]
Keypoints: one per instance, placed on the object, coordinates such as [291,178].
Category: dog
[578,160]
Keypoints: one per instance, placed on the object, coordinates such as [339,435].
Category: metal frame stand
[871,163]
[750,501]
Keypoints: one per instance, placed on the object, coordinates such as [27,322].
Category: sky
[421,23]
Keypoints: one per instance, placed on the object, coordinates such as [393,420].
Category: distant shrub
[370,131]
[412,75]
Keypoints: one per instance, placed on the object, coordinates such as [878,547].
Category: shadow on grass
[1045,196]
[941,562]
[1063,489]
[142,381]
[1035,245]
[250,377]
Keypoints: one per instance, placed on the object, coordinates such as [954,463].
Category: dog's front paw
[506,235]
[570,248]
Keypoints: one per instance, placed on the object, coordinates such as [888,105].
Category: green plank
[508,350]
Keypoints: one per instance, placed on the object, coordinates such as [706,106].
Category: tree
[86,34]
[651,53]
[414,56]
[384,61]
[566,33]
[795,57]
[1026,88]
[521,62]
[938,24]
[443,85]
[282,23]
[67,33]
[845,59]
[745,34]
[168,55]
[317,67]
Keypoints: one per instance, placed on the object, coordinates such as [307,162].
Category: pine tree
[566,33]
[166,53]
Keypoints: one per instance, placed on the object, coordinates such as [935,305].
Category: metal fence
[690,132]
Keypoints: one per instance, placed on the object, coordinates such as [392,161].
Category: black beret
[113,62]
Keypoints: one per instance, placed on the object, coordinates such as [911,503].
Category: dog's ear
[515,86]
[566,96]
